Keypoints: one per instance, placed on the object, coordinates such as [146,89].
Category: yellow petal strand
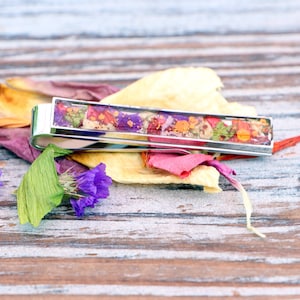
[248,208]
[17,105]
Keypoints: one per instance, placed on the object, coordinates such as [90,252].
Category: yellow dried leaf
[190,89]
[11,122]
[16,106]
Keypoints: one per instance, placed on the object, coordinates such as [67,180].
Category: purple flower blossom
[87,188]
[94,182]
[80,204]
[68,115]
[129,122]
[59,116]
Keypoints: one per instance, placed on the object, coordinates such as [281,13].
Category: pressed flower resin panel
[162,127]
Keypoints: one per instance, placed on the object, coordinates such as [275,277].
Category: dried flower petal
[16,106]
[243,135]
[67,89]
[129,122]
[94,182]
[79,205]
[180,165]
[86,189]
[17,141]
[13,122]
[20,95]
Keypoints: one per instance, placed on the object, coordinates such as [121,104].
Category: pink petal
[180,165]
[84,91]
[17,141]
[222,168]
[66,89]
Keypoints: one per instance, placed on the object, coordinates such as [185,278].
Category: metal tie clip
[93,126]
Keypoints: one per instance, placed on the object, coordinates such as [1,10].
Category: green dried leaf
[222,132]
[40,190]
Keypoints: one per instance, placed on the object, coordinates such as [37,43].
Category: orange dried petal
[17,105]
[182,126]
[243,135]
[11,122]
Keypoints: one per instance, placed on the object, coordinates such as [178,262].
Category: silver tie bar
[85,125]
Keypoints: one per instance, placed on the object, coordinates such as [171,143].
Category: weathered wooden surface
[152,242]
[105,18]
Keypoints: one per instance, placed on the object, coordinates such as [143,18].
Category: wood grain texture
[161,242]
[117,18]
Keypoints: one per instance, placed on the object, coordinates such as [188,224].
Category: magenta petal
[75,90]
[179,165]
[17,141]
[222,168]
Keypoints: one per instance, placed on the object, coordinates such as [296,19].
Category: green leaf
[40,190]
[222,132]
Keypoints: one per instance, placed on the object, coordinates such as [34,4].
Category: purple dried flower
[80,204]
[87,188]
[59,116]
[129,122]
[179,117]
[94,182]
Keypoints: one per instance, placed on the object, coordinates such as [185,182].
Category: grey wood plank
[145,18]
[157,242]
